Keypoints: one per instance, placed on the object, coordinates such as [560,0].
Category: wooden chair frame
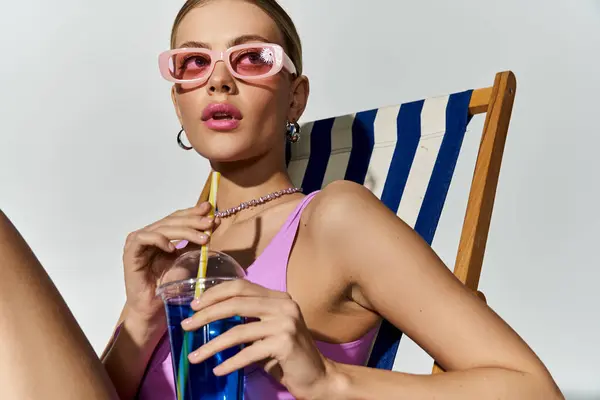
[497,102]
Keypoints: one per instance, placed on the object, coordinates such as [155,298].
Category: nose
[221,81]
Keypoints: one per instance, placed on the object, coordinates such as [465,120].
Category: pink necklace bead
[256,202]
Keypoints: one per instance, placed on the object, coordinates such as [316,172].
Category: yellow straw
[202,265]
[212,199]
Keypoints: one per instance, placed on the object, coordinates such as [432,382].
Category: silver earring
[293,132]
[180,142]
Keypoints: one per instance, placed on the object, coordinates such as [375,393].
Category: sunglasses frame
[282,60]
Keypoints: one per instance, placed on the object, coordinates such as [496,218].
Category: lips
[221,117]
[221,112]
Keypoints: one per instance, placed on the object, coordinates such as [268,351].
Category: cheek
[189,105]
[269,101]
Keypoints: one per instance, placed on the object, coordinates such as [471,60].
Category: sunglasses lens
[189,65]
[255,61]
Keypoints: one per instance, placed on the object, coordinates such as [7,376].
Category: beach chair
[406,155]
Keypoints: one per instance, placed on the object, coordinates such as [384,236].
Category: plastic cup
[177,289]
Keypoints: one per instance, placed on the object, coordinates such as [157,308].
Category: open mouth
[221,112]
[222,116]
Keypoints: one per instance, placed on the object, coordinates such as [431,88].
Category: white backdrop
[88,151]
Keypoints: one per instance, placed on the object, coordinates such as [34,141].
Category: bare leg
[43,352]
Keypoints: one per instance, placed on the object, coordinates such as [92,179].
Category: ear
[176,105]
[298,98]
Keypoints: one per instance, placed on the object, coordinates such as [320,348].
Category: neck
[249,179]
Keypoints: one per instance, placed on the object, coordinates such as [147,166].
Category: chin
[228,152]
[233,146]
[224,157]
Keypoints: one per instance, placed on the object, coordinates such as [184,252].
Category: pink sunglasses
[247,62]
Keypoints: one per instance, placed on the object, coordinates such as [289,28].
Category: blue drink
[177,288]
[200,383]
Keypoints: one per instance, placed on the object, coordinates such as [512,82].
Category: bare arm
[397,274]
[147,253]
[361,383]
[128,354]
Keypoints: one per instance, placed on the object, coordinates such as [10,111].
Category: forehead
[221,21]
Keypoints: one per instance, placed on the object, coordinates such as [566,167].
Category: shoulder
[338,198]
[345,204]
[346,214]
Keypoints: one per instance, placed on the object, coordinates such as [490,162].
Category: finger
[174,233]
[201,209]
[249,307]
[236,288]
[255,353]
[143,239]
[238,335]
[196,222]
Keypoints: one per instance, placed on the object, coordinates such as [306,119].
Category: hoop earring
[293,132]
[180,142]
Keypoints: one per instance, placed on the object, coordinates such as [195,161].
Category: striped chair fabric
[404,154]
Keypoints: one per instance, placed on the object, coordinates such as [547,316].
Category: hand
[281,342]
[150,251]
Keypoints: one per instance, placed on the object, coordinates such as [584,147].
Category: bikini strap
[290,228]
[270,268]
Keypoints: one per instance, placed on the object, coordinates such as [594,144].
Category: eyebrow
[194,44]
[235,42]
[247,38]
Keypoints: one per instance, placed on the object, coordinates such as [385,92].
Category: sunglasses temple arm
[288,64]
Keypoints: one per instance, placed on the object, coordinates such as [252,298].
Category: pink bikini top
[270,271]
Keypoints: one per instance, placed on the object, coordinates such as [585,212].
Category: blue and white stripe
[404,154]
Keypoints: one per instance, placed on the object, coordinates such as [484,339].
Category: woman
[314,295]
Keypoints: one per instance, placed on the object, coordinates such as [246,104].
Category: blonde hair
[292,43]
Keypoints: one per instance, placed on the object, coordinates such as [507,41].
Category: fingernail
[182,244]
[196,303]
[204,236]
[194,356]
[186,322]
